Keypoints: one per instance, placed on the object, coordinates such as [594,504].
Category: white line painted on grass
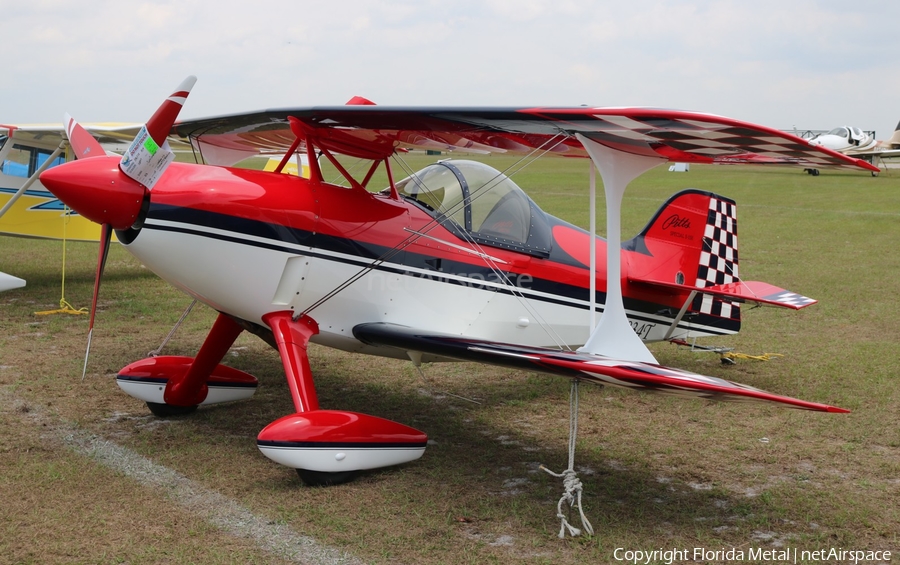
[219,510]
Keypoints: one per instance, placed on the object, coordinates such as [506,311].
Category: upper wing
[377,131]
[595,368]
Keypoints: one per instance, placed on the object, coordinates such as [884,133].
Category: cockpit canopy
[848,133]
[476,201]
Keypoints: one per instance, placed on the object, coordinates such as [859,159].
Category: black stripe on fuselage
[340,444]
[363,254]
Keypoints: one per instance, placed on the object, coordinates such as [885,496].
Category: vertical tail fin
[894,141]
[696,232]
[691,243]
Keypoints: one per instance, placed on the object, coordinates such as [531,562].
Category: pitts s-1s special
[454,261]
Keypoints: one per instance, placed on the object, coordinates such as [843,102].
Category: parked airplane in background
[858,143]
[454,261]
[26,207]
[30,210]
[9,282]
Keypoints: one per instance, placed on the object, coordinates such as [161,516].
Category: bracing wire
[514,168]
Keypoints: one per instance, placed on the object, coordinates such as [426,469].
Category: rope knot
[571,482]
[571,495]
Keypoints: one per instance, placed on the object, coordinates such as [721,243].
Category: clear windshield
[480,200]
[438,189]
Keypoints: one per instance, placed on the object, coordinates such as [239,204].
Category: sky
[779,63]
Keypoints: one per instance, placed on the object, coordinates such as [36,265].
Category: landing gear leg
[190,389]
[292,339]
[173,385]
[327,447]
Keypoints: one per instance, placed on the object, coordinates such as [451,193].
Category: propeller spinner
[112,191]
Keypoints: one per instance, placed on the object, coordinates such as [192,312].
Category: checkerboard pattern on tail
[790,298]
[719,258]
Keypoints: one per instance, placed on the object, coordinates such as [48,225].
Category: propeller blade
[160,123]
[103,253]
[149,154]
[102,194]
[83,144]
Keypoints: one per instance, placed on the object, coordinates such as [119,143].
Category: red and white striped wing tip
[658,378]
[83,144]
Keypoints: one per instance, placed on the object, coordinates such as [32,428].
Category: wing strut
[680,315]
[592,303]
[47,162]
[613,336]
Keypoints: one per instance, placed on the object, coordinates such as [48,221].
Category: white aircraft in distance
[9,282]
[853,141]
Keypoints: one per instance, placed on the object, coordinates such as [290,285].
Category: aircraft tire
[323,479]
[162,410]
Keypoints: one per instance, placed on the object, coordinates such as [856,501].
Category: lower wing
[586,366]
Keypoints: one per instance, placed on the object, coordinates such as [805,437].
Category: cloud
[814,63]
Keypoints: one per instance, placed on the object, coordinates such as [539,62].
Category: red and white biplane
[453,262]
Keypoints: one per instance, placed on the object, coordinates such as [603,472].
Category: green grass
[657,471]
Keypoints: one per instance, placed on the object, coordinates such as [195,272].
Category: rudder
[691,241]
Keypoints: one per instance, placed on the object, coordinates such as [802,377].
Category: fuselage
[249,242]
[846,139]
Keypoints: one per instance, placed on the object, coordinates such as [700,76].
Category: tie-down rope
[571,482]
[64,306]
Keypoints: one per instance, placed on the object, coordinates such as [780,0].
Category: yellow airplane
[26,207]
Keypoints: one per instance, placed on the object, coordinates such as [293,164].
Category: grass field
[658,472]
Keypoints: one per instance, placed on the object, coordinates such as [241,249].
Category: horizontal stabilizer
[742,291]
